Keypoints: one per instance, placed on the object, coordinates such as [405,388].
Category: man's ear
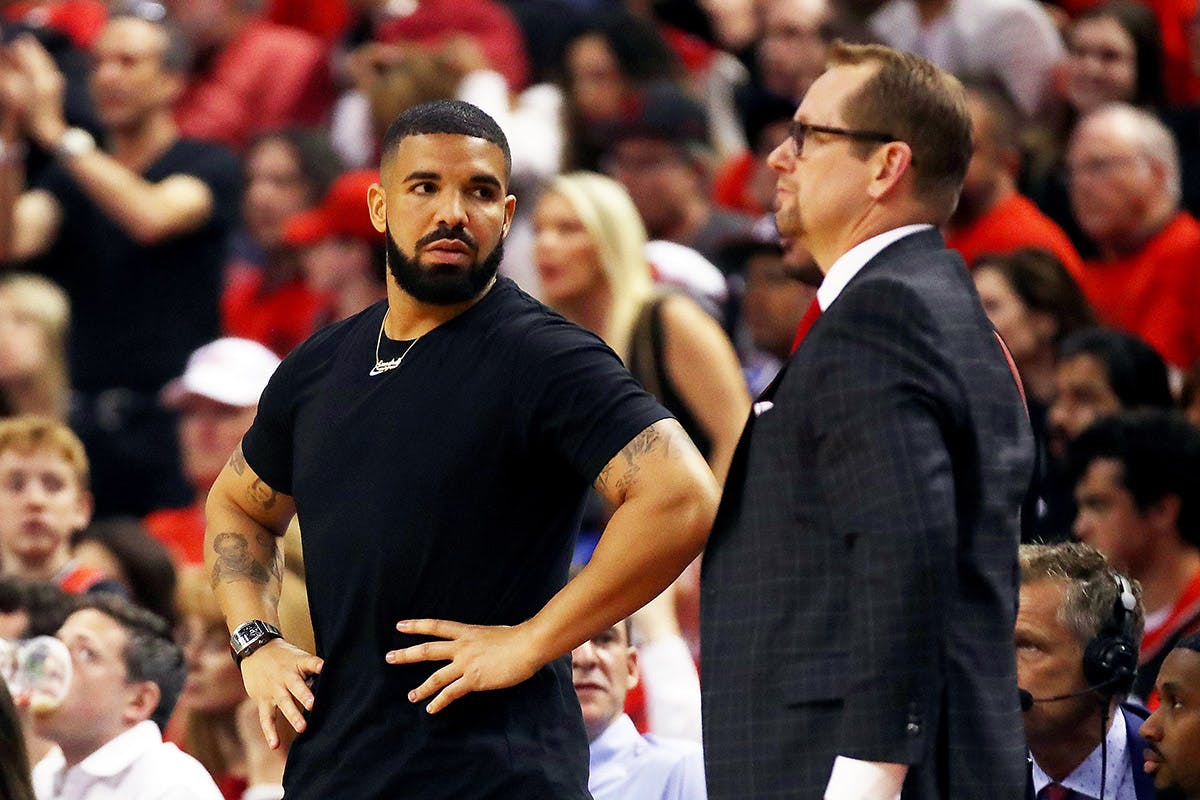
[377,207]
[510,208]
[635,673]
[143,700]
[1163,514]
[889,165]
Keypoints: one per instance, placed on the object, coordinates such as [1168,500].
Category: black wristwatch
[249,636]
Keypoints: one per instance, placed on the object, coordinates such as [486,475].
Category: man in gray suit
[859,588]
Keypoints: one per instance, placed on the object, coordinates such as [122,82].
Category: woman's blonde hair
[615,227]
[47,303]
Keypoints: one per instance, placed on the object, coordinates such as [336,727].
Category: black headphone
[1110,658]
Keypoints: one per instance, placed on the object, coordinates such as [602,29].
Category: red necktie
[1053,791]
[806,322]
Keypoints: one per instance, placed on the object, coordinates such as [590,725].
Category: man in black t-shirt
[135,232]
[437,448]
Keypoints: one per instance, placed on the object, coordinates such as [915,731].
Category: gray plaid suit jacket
[859,588]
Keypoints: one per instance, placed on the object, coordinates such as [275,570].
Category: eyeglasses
[800,130]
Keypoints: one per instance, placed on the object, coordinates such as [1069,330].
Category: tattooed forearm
[262,495]
[267,542]
[235,562]
[237,461]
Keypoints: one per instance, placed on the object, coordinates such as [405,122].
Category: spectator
[1100,372]
[43,500]
[1125,190]
[250,75]
[660,153]
[1173,730]
[1137,481]
[1076,636]
[991,216]
[1011,41]
[15,783]
[589,255]
[794,46]
[745,182]
[1035,304]
[34,318]
[126,676]
[623,763]
[287,171]
[216,398]
[122,548]
[212,696]
[135,233]
[341,253]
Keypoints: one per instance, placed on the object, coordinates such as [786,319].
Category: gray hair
[1092,590]
[1149,136]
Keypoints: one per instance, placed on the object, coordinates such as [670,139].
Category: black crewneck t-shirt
[450,487]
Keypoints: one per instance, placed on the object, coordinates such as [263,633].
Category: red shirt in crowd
[1014,223]
[279,318]
[266,77]
[181,530]
[1155,292]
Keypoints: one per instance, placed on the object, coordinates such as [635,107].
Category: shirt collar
[118,754]
[621,734]
[1085,778]
[853,260]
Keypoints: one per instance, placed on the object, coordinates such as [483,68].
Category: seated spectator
[212,696]
[1100,372]
[122,549]
[15,782]
[35,315]
[1081,738]
[250,75]
[1125,189]
[661,154]
[773,299]
[135,231]
[342,255]
[216,398]
[992,216]
[127,673]
[745,181]
[1137,480]
[44,498]
[1012,41]
[625,764]
[1173,730]
[794,46]
[265,299]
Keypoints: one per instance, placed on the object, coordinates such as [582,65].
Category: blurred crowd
[182,201]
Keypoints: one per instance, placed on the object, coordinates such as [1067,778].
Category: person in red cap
[342,255]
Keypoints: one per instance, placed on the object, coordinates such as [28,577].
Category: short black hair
[151,653]
[446,116]
[1159,453]
[1136,372]
[145,560]
[1189,642]
[45,604]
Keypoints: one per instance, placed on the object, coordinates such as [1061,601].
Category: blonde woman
[35,316]
[588,249]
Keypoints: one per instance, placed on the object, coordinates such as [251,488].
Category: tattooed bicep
[661,440]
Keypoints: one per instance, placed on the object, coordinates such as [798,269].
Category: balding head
[1123,166]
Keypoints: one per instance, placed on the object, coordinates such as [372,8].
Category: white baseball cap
[230,371]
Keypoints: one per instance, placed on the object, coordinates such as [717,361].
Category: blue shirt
[1084,780]
[625,765]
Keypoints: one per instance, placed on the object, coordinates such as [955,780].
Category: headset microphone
[1027,699]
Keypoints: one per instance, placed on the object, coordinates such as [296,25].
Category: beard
[442,284]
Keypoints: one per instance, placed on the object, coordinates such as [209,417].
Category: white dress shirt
[624,765]
[137,765]
[1084,780]
[853,260]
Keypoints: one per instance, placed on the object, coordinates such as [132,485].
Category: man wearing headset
[1077,636]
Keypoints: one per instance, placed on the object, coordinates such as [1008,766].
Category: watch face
[247,633]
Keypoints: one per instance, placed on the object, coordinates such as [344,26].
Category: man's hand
[481,657]
[276,676]
[44,117]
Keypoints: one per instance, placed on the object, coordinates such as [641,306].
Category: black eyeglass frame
[799,130]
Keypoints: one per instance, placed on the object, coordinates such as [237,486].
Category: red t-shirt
[280,318]
[1155,292]
[266,77]
[1014,223]
[181,530]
